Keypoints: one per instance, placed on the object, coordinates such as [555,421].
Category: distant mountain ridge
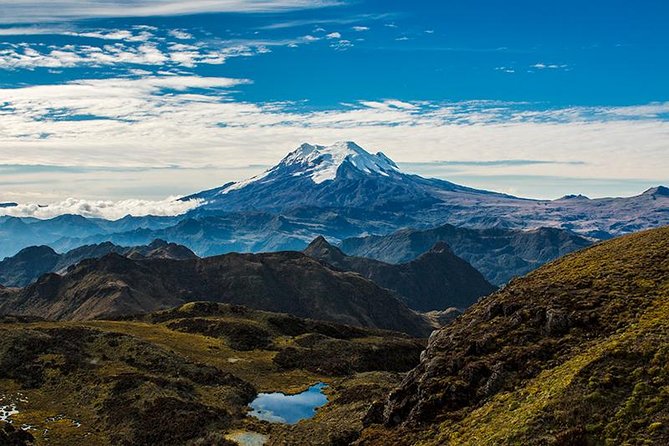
[288,282]
[32,262]
[499,254]
[436,280]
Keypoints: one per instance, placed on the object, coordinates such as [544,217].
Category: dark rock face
[29,264]
[288,282]
[10,436]
[592,316]
[499,254]
[436,280]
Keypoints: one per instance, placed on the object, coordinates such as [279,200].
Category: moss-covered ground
[185,376]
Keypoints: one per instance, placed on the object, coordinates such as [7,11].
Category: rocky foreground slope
[575,353]
[289,282]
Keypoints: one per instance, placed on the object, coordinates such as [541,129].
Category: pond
[281,408]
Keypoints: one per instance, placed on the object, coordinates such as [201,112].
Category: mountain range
[437,280]
[573,353]
[339,191]
[289,282]
[30,263]
[499,254]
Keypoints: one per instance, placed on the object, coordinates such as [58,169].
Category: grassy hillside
[575,353]
[185,376]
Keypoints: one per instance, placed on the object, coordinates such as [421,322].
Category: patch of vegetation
[185,376]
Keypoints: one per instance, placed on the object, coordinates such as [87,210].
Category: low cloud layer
[109,210]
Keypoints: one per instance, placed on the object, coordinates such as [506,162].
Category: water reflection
[281,408]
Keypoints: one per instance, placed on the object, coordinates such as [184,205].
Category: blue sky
[140,99]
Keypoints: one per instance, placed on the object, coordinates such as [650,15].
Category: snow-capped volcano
[346,187]
[321,163]
[340,175]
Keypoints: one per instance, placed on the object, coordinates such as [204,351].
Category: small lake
[281,408]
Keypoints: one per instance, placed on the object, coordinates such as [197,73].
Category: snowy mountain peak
[321,163]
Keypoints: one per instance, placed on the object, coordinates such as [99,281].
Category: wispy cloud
[505,69]
[341,45]
[549,66]
[140,45]
[32,30]
[31,11]
[328,21]
[150,122]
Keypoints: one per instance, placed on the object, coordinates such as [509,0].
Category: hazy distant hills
[499,254]
[436,280]
[32,262]
[574,353]
[289,282]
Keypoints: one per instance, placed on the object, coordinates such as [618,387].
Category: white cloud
[180,34]
[389,104]
[141,47]
[32,31]
[552,66]
[505,69]
[360,28]
[32,11]
[334,35]
[110,210]
[138,124]
[78,55]
[341,45]
[108,35]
